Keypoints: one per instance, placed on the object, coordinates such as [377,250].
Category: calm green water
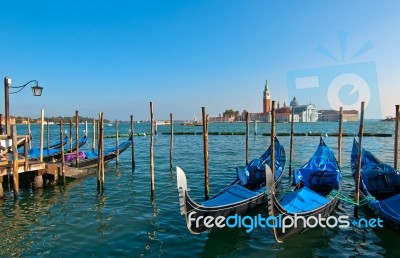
[76,220]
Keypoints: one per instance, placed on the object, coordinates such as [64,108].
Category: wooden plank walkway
[7,169]
[47,168]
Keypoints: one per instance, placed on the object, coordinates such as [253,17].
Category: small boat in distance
[194,122]
[389,119]
[316,186]
[163,122]
[379,184]
[245,193]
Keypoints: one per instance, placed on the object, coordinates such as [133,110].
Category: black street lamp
[36,90]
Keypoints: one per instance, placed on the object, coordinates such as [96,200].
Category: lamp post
[36,91]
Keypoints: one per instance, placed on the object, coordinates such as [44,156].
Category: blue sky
[117,56]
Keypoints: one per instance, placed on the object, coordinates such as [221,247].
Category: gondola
[379,185]
[88,159]
[315,188]
[53,154]
[59,143]
[54,145]
[243,194]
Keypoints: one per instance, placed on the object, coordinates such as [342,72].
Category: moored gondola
[379,185]
[54,145]
[315,188]
[245,193]
[53,154]
[88,159]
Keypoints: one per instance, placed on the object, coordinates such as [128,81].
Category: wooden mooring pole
[62,153]
[116,143]
[26,145]
[48,134]
[291,143]
[255,127]
[171,145]
[41,134]
[15,161]
[77,138]
[340,136]
[7,82]
[273,138]
[151,150]
[205,151]
[70,136]
[133,144]
[100,163]
[29,133]
[38,180]
[94,134]
[358,172]
[1,132]
[396,138]
[247,138]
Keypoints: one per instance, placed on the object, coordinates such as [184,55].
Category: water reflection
[118,171]
[19,217]
[153,245]
[224,242]
[101,217]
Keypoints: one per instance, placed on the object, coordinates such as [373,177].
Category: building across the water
[333,115]
[302,113]
[306,113]
[264,116]
[284,114]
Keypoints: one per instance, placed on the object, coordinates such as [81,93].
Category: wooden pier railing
[12,162]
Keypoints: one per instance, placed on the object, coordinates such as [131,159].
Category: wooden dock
[7,169]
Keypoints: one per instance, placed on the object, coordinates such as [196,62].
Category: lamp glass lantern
[37,90]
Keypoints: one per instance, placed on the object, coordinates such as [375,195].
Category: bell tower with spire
[266,99]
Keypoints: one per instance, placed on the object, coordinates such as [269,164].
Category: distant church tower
[267,99]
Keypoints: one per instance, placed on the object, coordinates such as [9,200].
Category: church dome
[294,103]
